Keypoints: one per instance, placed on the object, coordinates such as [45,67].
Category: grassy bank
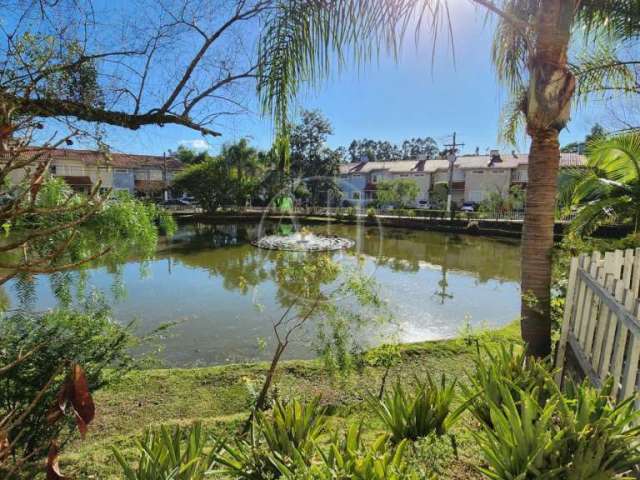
[220,397]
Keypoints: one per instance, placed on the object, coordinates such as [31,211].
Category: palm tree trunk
[537,241]
[548,109]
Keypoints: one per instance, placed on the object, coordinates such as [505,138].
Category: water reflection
[210,279]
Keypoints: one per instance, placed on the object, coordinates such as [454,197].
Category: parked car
[469,207]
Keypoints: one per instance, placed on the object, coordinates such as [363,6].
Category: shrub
[371,213]
[348,457]
[293,426]
[164,454]
[520,441]
[87,337]
[351,212]
[503,366]
[581,435]
[428,410]
[278,444]
[602,439]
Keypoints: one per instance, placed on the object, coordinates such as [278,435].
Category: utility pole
[453,150]
[165,192]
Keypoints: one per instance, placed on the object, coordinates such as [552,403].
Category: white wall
[480,182]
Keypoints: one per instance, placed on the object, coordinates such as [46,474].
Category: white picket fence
[601,325]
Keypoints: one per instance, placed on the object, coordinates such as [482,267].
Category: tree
[383,151]
[597,131]
[190,156]
[531,51]
[609,187]
[496,202]
[63,76]
[215,183]
[243,159]
[311,160]
[154,64]
[401,192]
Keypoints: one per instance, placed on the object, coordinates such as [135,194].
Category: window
[374,179]
[52,169]
[479,172]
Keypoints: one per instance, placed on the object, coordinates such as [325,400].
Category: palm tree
[242,158]
[609,187]
[303,40]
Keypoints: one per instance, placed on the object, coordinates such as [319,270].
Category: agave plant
[293,427]
[348,457]
[578,435]
[279,443]
[500,367]
[608,189]
[520,441]
[427,410]
[602,436]
[164,454]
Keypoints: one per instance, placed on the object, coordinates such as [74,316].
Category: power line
[453,150]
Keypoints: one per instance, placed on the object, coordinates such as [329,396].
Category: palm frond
[511,45]
[601,70]
[620,17]
[618,156]
[303,40]
[512,118]
[608,189]
[598,212]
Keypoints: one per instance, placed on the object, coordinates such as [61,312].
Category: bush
[87,337]
[428,410]
[348,457]
[581,435]
[351,212]
[177,454]
[504,367]
[371,213]
[278,444]
[520,441]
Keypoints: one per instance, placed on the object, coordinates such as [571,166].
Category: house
[474,176]
[141,175]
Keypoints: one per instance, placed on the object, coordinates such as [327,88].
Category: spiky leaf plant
[427,410]
[504,366]
[168,454]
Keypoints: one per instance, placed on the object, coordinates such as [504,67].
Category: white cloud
[197,144]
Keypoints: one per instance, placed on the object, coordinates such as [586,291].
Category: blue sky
[390,101]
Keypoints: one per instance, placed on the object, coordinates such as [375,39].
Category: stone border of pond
[485,228]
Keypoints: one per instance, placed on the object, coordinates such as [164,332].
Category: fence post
[566,321]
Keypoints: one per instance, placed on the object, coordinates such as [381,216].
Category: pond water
[222,293]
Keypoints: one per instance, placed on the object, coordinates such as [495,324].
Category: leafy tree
[311,159]
[214,183]
[401,192]
[190,156]
[88,337]
[496,202]
[597,131]
[382,150]
[66,78]
[243,159]
[531,54]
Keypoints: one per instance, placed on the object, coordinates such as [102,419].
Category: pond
[219,289]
